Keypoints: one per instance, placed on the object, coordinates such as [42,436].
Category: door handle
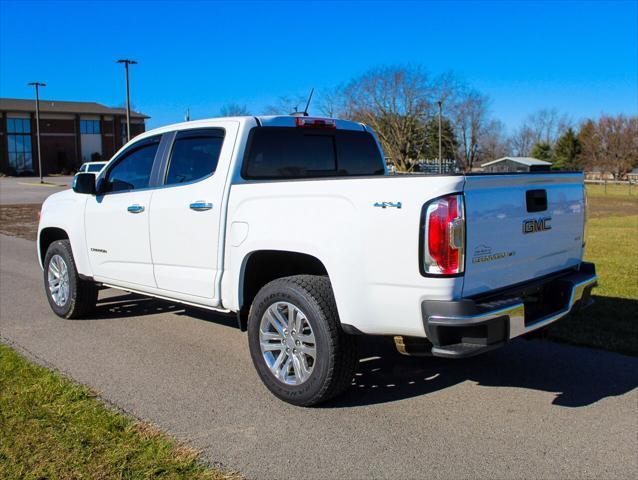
[200,206]
[135,208]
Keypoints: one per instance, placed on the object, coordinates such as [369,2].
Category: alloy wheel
[287,343]
[58,278]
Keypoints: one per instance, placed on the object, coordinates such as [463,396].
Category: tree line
[401,104]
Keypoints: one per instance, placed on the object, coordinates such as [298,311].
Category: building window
[19,144]
[18,125]
[89,126]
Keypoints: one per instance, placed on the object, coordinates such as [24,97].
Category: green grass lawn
[612,190]
[53,428]
[612,244]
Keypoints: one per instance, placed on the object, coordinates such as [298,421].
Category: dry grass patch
[20,220]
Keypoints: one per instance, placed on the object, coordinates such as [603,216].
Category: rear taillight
[444,236]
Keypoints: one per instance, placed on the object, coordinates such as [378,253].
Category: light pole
[37,86]
[440,149]
[128,96]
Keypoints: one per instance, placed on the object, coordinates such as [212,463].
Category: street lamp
[440,149]
[37,86]
[128,96]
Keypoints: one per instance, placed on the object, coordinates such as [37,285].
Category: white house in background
[516,164]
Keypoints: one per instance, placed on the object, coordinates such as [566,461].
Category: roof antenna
[297,113]
[305,110]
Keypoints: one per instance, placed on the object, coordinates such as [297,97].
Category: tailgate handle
[536,200]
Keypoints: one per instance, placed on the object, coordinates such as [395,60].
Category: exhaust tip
[413,346]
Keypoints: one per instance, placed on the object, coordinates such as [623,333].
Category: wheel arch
[260,267]
[46,237]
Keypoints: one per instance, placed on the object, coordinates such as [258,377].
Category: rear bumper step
[468,327]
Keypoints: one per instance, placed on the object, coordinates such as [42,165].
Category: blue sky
[578,57]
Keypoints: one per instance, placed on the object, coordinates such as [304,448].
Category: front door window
[132,171]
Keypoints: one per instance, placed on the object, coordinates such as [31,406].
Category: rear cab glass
[293,153]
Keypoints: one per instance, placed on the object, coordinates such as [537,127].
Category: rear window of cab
[291,153]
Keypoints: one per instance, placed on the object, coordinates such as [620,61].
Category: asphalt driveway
[20,190]
[531,410]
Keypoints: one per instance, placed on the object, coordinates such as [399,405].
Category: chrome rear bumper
[471,326]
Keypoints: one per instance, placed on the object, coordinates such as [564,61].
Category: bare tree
[469,114]
[590,154]
[522,141]
[330,103]
[543,126]
[610,144]
[233,110]
[287,104]
[395,101]
[548,125]
[493,143]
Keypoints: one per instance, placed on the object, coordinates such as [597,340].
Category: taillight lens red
[444,249]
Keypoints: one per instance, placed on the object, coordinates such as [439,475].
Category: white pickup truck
[293,224]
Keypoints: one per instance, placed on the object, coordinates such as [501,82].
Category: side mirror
[84,183]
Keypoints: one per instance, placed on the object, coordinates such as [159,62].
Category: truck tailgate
[520,227]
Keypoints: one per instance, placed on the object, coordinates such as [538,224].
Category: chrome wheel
[58,278]
[287,343]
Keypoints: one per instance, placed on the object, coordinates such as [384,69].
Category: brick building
[71,133]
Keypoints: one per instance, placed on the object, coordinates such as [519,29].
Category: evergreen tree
[542,151]
[567,152]
[449,145]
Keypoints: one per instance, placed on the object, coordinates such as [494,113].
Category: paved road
[532,410]
[29,190]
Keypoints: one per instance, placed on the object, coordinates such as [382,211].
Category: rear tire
[313,329]
[69,296]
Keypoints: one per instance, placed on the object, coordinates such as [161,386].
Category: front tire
[69,296]
[296,342]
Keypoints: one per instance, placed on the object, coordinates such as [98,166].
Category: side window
[194,155]
[133,169]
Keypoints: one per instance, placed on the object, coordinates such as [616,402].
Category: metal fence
[630,185]
[429,166]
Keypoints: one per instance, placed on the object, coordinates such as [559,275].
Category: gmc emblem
[532,225]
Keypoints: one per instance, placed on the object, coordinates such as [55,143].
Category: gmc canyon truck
[293,224]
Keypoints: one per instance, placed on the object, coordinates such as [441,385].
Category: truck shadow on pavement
[127,305]
[577,376]
[131,305]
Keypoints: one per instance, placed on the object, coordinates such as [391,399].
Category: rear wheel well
[47,237]
[264,266]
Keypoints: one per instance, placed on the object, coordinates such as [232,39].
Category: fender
[65,211]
